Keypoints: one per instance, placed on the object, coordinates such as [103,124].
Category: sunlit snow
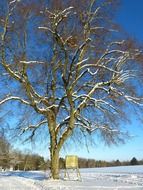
[111,178]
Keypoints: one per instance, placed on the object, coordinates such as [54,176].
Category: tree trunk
[54,152]
[55,164]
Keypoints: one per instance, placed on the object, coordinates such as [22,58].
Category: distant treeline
[14,159]
[20,161]
[28,161]
[92,163]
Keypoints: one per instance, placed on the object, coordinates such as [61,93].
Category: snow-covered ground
[112,178]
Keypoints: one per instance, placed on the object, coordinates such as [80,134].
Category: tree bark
[55,164]
[54,151]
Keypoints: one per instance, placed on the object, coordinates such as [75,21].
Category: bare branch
[32,62]
[46,28]
[135,100]
[14,98]
[94,128]
[33,127]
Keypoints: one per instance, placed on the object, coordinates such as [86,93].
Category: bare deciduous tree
[4,151]
[77,77]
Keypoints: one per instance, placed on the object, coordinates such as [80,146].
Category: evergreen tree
[134,161]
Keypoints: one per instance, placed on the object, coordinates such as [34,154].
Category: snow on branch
[81,47]
[64,122]
[32,62]
[100,66]
[6,99]
[46,28]
[33,127]
[123,55]
[92,73]
[105,128]
[12,5]
[14,1]
[65,11]
[89,95]
[91,128]
[124,75]
[84,60]
[135,100]
[11,2]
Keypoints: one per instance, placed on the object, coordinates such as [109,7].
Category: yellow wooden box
[71,161]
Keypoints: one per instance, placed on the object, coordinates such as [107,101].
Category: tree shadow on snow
[35,175]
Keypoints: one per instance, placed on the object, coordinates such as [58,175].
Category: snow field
[114,178]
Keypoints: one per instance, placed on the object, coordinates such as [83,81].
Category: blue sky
[130,17]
